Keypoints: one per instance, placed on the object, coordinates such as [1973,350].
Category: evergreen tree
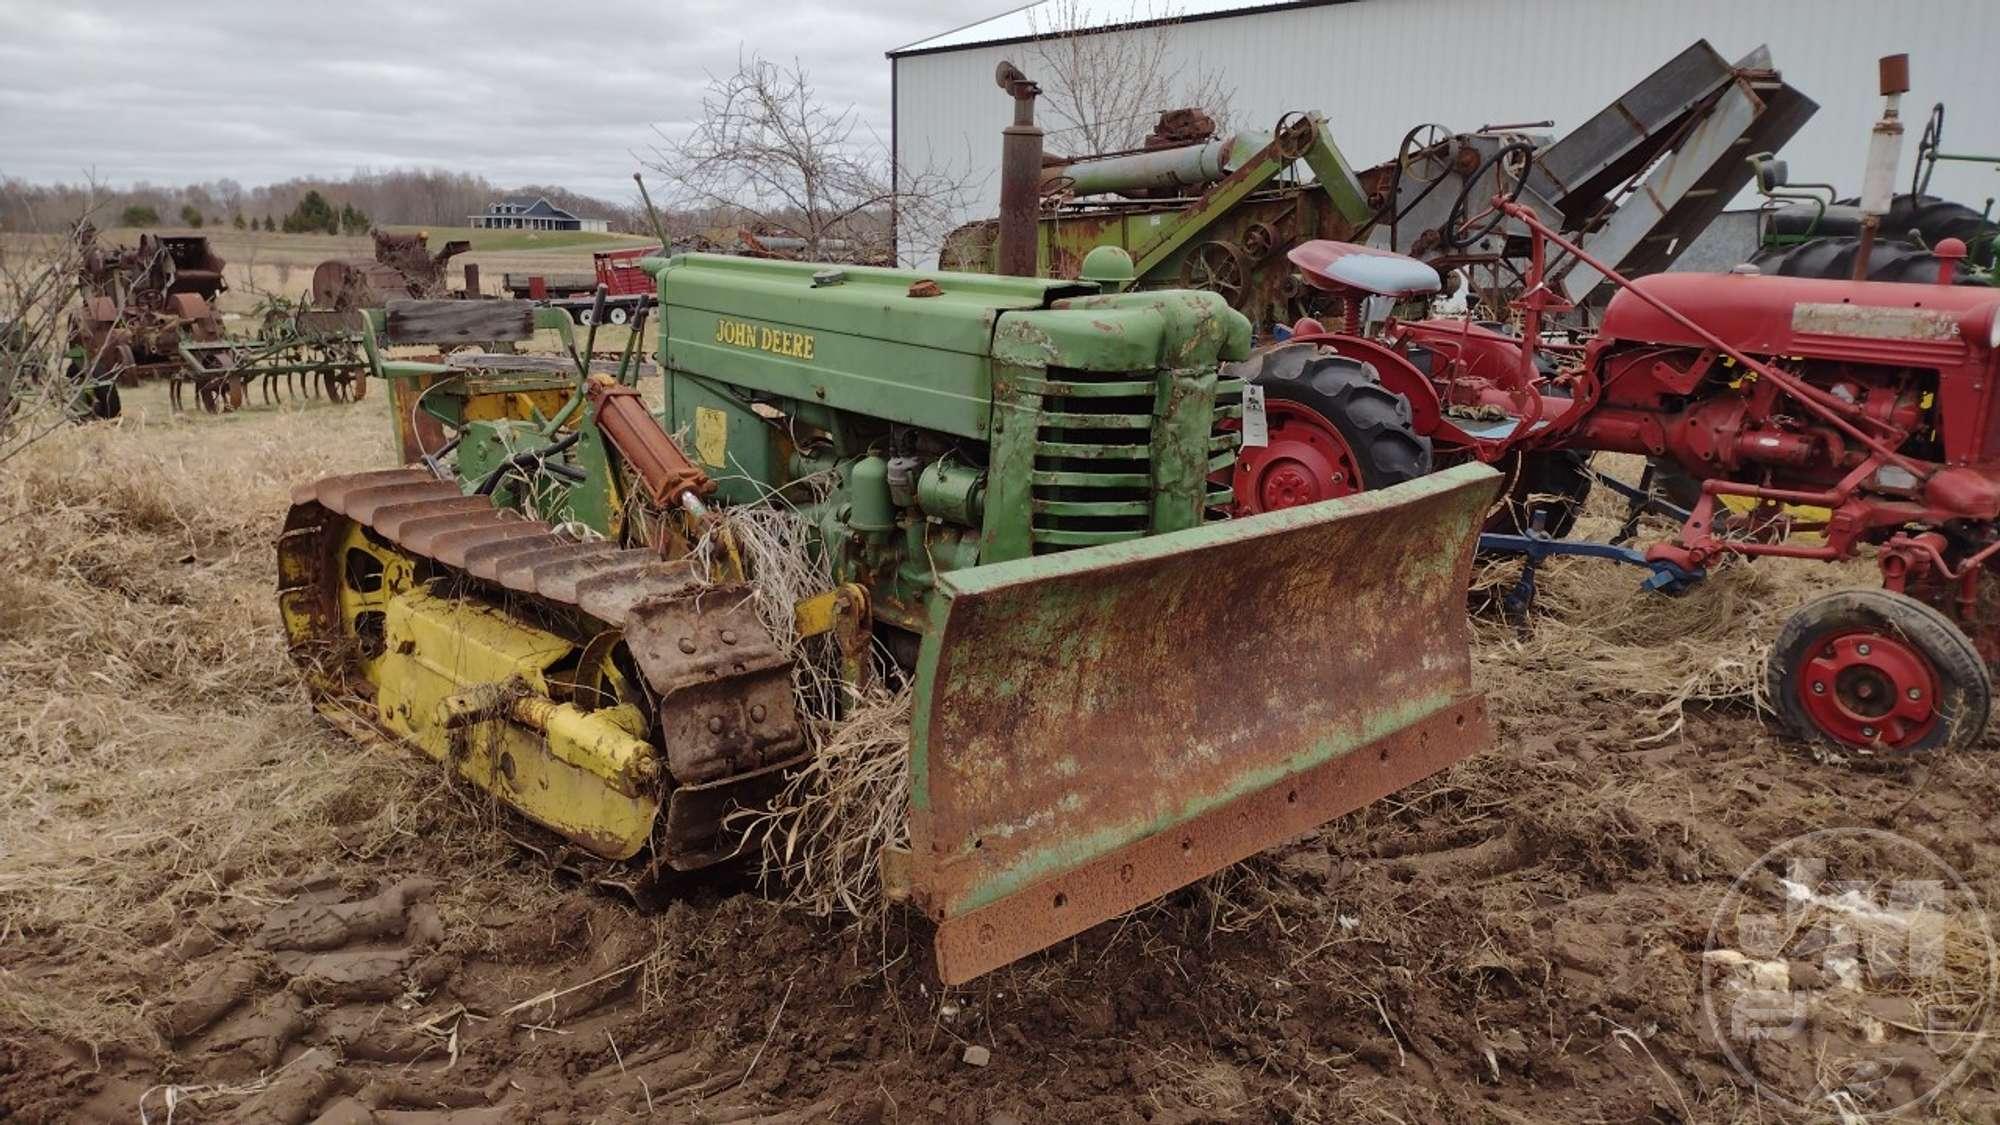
[313,215]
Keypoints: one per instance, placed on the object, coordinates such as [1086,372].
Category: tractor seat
[1345,266]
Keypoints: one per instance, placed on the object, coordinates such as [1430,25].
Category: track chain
[723,688]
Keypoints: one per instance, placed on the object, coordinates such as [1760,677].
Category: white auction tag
[1256,431]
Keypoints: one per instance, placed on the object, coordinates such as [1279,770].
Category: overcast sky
[264,90]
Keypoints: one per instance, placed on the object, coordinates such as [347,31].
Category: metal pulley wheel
[1425,154]
[1295,134]
[1259,239]
[1219,267]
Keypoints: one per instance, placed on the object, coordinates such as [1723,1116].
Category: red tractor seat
[1345,266]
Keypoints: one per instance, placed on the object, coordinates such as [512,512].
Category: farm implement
[1633,184]
[149,312]
[1804,231]
[1011,488]
[1870,401]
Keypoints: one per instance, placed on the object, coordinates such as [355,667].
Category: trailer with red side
[627,288]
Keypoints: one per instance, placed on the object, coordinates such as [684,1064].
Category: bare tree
[41,388]
[807,175]
[1103,89]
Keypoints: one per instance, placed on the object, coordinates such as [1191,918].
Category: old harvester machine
[1009,485]
[1877,404]
[138,305]
[403,266]
[1633,184]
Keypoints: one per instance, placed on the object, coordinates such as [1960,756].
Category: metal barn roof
[1067,16]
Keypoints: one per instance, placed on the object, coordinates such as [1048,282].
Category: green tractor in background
[1808,231]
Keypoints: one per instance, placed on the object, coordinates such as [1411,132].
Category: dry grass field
[214,907]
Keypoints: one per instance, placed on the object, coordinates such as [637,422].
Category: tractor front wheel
[1333,428]
[1874,669]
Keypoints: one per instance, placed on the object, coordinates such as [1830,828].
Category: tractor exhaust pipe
[1885,149]
[1020,174]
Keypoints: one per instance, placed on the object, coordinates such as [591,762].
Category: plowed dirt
[218,909]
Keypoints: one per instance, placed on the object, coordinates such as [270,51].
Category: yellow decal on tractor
[738,334]
[711,436]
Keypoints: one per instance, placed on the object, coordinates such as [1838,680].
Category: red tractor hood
[1804,316]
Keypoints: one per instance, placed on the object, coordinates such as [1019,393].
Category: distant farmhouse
[516,214]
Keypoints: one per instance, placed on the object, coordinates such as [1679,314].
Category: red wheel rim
[1306,461]
[1864,688]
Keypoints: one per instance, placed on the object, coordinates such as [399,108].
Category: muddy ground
[213,907]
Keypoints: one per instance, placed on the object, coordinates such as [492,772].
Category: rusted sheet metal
[990,936]
[1097,727]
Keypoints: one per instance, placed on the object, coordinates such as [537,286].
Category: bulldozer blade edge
[1098,727]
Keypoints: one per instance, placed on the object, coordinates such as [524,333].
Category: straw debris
[1594,624]
[820,839]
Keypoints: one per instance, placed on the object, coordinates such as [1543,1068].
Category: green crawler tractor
[1014,487]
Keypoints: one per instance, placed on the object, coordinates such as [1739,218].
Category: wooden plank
[544,364]
[454,322]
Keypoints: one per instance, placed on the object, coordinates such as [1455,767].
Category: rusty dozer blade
[1098,727]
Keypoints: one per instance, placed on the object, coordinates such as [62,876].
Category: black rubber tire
[1674,484]
[1375,420]
[1834,258]
[104,402]
[1935,220]
[1554,483]
[1932,218]
[1965,682]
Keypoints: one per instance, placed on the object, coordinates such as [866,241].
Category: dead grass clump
[820,839]
[1595,629]
[161,765]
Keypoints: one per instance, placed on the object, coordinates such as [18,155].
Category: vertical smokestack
[1885,148]
[1020,174]
[1885,141]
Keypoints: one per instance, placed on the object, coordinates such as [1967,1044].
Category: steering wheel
[1458,230]
[1927,149]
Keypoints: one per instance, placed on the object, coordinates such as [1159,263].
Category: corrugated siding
[1378,67]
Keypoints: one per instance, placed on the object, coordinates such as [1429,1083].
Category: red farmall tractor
[1873,401]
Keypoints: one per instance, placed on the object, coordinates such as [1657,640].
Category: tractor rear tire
[104,404]
[1874,669]
[1552,484]
[1932,218]
[1935,220]
[1334,430]
[1834,258]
